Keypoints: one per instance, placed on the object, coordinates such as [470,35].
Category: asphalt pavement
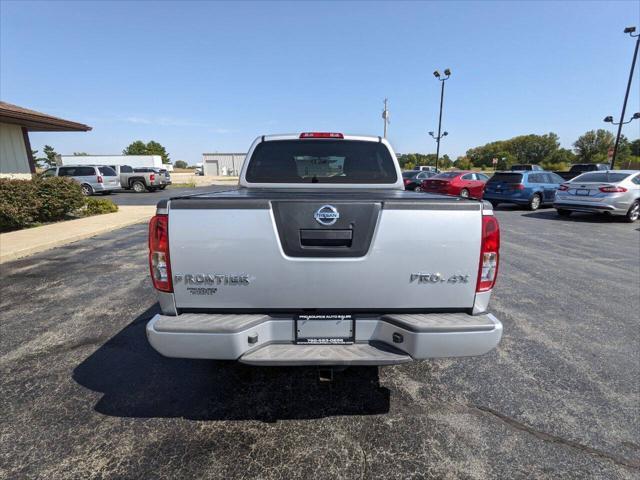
[85,396]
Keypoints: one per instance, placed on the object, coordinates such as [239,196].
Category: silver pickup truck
[320,257]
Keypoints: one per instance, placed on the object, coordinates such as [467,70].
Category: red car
[465,184]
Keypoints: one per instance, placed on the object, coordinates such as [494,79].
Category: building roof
[36,121]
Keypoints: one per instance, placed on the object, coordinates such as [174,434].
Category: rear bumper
[101,187]
[266,340]
[591,207]
[500,199]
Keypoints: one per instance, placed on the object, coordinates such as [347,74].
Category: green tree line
[545,150]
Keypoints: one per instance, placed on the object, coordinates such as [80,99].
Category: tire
[87,190]
[634,212]
[163,187]
[535,202]
[417,189]
[138,186]
[464,193]
[563,213]
[494,204]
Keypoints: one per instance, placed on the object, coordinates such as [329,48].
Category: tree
[136,148]
[533,148]
[80,154]
[180,164]
[150,148]
[463,163]
[49,160]
[409,161]
[154,148]
[635,147]
[593,145]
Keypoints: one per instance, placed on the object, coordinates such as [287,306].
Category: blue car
[530,188]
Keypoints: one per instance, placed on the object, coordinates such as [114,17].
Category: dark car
[414,178]
[580,168]
[465,184]
[526,167]
[530,188]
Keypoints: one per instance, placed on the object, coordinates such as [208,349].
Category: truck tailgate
[274,255]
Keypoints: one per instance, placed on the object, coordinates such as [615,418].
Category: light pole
[609,119]
[437,138]
[630,31]
[385,117]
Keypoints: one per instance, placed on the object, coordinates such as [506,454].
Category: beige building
[222,164]
[16,160]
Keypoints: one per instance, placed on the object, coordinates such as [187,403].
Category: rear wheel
[87,190]
[138,186]
[563,213]
[464,193]
[535,202]
[417,189]
[634,212]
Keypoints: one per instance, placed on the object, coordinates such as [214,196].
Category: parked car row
[614,192]
[106,179]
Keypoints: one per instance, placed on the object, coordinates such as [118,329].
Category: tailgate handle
[326,238]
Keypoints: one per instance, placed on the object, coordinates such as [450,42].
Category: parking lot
[129,197]
[85,396]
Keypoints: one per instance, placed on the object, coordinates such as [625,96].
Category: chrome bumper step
[330,355]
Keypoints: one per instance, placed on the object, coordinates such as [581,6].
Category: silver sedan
[614,192]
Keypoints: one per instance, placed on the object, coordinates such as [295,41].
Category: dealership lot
[85,396]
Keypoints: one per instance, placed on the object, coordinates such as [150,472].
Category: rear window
[107,171]
[321,161]
[446,175]
[506,178]
[604,177]
[126,169]
[409,174]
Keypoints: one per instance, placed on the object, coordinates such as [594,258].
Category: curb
[28,248]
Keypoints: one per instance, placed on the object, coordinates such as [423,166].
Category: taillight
[159,263]
[100,179]
[321,135]
[519,186]
[612,189]
[489,254]
[407,181]
[152,177]
[563,188]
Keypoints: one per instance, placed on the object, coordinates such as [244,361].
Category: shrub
[59,197]
[19,203]
[98,206]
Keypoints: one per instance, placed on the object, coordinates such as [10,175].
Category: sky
[211,76]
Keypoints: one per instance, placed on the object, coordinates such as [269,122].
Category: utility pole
[441,134]
[630,31]
[385,117]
